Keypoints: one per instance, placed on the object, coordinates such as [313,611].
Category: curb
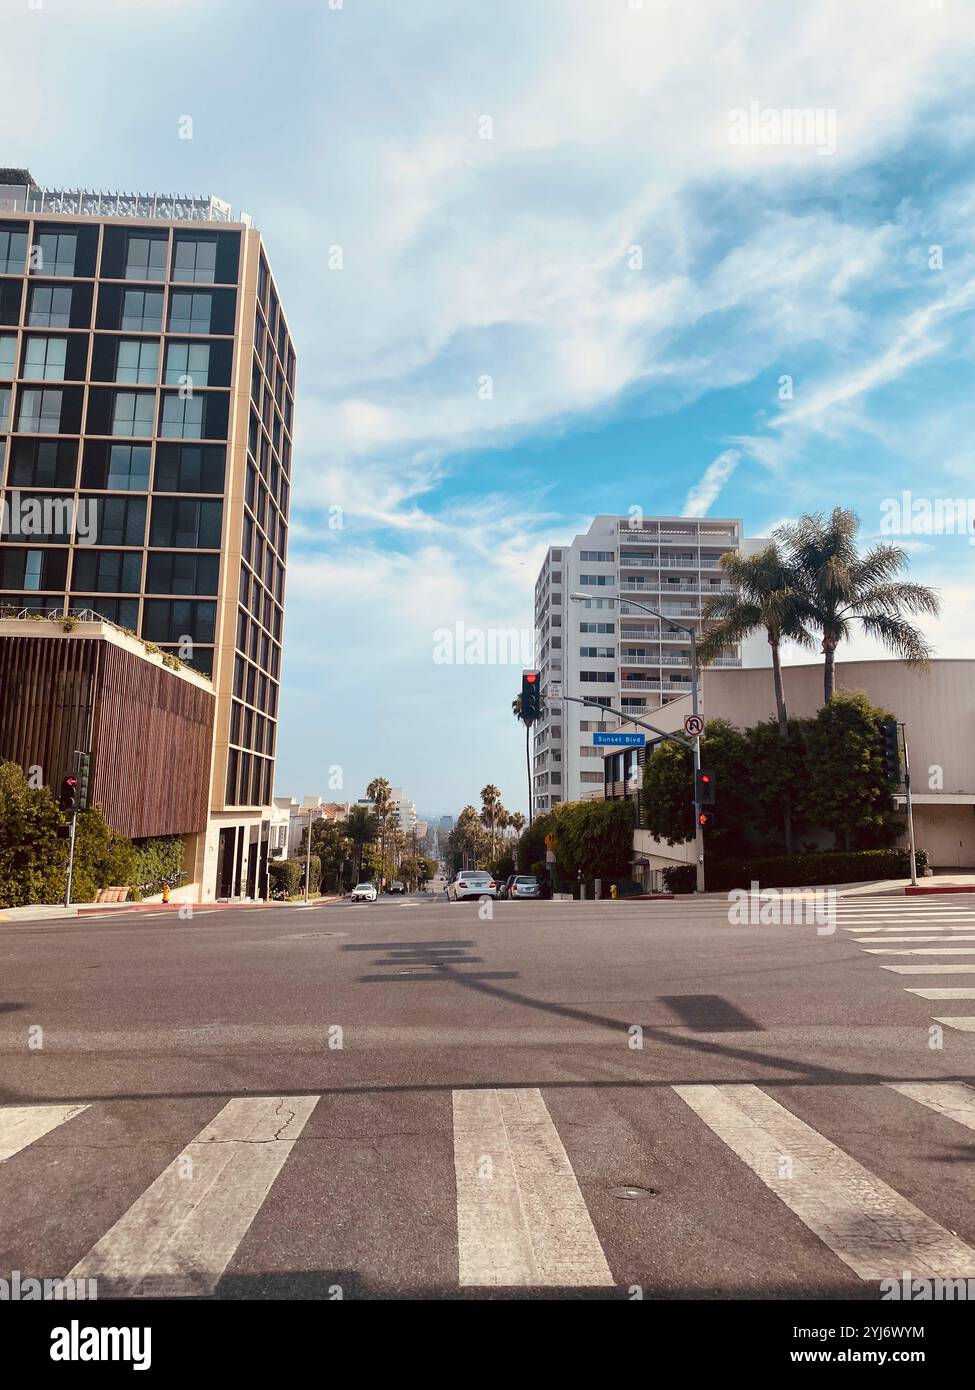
[948,888]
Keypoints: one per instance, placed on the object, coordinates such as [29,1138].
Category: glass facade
[119,354]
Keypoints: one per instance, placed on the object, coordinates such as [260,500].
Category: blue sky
[618,378]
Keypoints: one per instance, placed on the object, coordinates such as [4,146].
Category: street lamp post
[696,749]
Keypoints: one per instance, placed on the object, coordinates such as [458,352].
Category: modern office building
[146,411]
[612,652]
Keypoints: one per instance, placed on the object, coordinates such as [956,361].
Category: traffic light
[890,758]
[705,820]
[69,795]
[531,691]
[84,780]
[705,788]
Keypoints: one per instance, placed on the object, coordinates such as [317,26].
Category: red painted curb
[948,888]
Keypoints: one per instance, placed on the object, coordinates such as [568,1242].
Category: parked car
[396,887]
[504,889]
[525,886]
[471,883]
[363,893]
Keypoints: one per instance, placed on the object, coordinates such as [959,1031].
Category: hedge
[797,870]
[289,874]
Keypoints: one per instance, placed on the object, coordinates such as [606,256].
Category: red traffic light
[531,678]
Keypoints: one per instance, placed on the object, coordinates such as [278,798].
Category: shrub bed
[797,870]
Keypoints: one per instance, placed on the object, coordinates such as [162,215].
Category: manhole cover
[311,935]
[632,1194]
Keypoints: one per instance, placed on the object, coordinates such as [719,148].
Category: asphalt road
[542,1099]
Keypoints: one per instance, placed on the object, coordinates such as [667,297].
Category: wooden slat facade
[149,729]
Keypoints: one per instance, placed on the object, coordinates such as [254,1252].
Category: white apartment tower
[610,651]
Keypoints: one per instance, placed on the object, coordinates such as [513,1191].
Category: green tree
[361,828]
[668,789]
[467,841]
[490,806]
[32,858]
[846,792]
[379,793]
[840,587]
[766,592]
[595,838]
[776,778]
[516,711]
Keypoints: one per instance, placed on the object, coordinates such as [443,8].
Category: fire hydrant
[613,893]
[165,892]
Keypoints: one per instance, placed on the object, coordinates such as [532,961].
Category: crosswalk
[519,1204]
[923,930]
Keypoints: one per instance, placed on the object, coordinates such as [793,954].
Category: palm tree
[379,793]
[490,803]
[766,592]
[517,822]
[516,711]
[361,828]
[840,587]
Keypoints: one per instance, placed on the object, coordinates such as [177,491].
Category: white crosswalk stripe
[21,1125]
[522,1220]
[963,1023]
[920,951]
[943,994]
[953,1099]
[930,969]
[869,1226]
[181,1234]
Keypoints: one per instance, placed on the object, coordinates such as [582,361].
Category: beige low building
[936,703]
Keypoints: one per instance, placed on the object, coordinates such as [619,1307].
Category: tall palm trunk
[829,674]
[784,733]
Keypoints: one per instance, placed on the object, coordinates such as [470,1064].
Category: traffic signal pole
[74,826]
[910,808]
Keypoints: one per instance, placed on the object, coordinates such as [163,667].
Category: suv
[524,886]
[396,887]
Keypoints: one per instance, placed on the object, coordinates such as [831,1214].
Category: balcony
[629,633]
[638,562]
[726,661]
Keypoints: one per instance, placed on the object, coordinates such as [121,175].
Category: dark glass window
[46,518]
[43,463]
[121,467]
[142,310]
[55,253]
[181,573]
[8,356]
[137,362]
[190,313]
[189,468]
[120,520]
[145,258]
[40,411]
[32,569]
[195,259]
[50,306]
[187,364]
[44,359]
[123,611]
[109,571]
[13,251]
[134,413]
[181,416]
[171,620]
[186,522]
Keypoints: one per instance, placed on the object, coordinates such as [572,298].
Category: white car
[472,883]
[364,893]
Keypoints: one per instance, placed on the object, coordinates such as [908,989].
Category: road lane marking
[21,1125]
[920,951]
[521,1218]
[900,940]
[180,1235]
[942,993]
[869,1226]
[964,1023]
[950,1098]
[930,969]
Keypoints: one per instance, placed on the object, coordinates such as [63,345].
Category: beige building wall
[936,703]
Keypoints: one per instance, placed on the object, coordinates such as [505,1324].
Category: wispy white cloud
[706,490]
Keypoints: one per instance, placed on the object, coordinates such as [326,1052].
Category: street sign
[693,726]
[619,740]
[554,691]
